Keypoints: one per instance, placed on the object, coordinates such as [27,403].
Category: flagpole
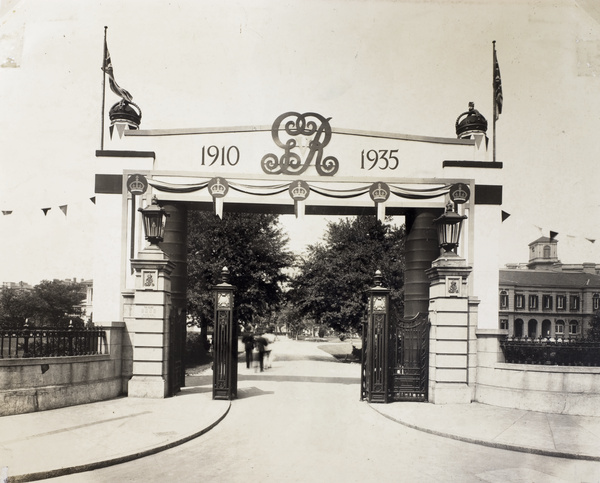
[103,91]
[494,101]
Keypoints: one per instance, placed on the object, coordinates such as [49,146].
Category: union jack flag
[108,69]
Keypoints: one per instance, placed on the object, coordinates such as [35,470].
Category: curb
[42,475]
[491,444]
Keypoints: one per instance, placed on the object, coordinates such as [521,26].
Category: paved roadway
[302,421]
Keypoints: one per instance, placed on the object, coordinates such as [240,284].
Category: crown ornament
[299,190]
[218,187]
[379,192]
[459,193]
[136,186]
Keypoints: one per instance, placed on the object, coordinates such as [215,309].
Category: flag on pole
[108,69]
[498,99]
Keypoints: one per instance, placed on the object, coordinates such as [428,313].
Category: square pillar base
[450,393]
[148,387]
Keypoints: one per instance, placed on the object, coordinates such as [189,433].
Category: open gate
[395,358]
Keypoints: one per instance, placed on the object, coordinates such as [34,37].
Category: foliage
[254,249]
[196,349]
[49,304]
[333,279]
[594,330]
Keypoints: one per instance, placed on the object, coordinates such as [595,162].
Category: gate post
[377,371]
[150,326]
[452,341]
[225,345]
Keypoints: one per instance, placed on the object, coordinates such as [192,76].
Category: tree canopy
[49,304]
[254,249]
[333,278]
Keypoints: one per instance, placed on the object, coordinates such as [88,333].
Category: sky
[393,66]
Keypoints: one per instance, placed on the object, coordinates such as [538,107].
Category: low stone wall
[544,388]
[41,383]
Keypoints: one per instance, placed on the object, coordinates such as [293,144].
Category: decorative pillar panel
[225,349]
[452,338]
[148,326]
[377,371]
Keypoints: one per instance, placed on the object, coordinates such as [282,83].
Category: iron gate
[409,358]
[395,362]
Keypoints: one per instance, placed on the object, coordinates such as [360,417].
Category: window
[560,302]
[574,302]
[559,329]
[547,302]
[503,323]
[596,301]
[533,302]
[519,301]
[504,299]
[546,251]
[573,327]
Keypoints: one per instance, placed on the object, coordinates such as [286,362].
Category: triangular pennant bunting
[6,212]
[93,199]
[46,210]
[63,208]
[505,215]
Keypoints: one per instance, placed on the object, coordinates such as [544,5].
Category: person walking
[261,345]
[248,341]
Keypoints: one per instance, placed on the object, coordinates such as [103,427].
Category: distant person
[271,338]
[249,343]
[261,345]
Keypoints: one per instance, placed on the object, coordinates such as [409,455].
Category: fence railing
[561,352]
[43,342]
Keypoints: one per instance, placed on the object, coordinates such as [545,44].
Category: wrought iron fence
[561,352]
[52,342]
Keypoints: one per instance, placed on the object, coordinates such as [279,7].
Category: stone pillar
[150,324]
[421,249]
[452,342]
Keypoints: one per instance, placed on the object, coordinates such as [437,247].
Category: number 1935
[383,158]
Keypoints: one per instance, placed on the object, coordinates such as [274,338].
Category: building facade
[546,298]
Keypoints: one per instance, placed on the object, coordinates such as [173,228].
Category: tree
[333,279]
[594,330]
[254,249]
[15,307]
[49,304]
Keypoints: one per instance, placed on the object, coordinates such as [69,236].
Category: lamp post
[449,226]
[155,218]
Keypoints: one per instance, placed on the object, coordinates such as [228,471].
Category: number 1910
[384,158]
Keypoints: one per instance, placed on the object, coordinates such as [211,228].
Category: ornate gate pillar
[225,345]
[150,326]
[452,342]
[377,370]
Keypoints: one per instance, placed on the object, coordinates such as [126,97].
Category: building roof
[544,239]
[549,278]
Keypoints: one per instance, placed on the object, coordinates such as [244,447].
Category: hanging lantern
[449,226]
[155,219]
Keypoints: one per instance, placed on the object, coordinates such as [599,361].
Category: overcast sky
[404,67]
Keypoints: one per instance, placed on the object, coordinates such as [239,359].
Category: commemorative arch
[303,164]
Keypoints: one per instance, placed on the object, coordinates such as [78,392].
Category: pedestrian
[261,345]
[249,343]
